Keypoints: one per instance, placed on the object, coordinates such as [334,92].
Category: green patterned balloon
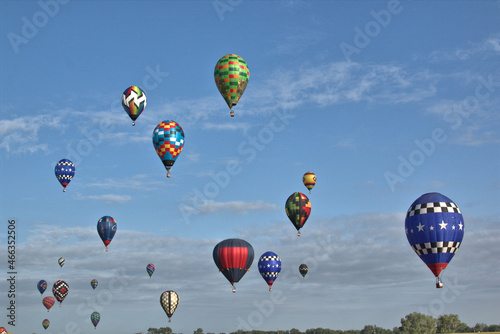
[231,77]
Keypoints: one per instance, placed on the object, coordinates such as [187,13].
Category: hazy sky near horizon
[383,100]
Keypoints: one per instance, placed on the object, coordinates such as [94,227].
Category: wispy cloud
[236,207]
[107,198]
[489,46]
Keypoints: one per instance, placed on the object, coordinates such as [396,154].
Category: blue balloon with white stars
[434,227]
[269,267]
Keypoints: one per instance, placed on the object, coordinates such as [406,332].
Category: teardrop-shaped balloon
[48,302]
[233,257]
[231,76]
[65,171]
[133,102]
[150,268]
[434,228]
[168,140]
[61,261]
[60,289]
[46,323]
[309,180]
[106,227]
[94,284]
[94,318]
[303,269]
[42,286]
[269,267]
[298,209]
[169,300]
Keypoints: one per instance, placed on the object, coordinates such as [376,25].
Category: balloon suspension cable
[232,113]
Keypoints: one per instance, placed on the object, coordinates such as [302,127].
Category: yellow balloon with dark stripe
[309,180]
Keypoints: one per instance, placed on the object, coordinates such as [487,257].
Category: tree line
[413,323]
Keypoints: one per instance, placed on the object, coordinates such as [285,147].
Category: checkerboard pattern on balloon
[231,76]
[168,139]
[436,247]
[433,207]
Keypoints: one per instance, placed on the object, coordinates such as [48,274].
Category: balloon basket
[133,124]
[232,113]
[64,190]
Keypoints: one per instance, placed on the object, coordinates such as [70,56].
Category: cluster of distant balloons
[434,225]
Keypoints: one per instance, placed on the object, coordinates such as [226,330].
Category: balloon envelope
[48,302]
[46,323]
[233,257]
[60,290]
[168,140]
[95,317]
[169,301]
[434,228]
[61,261]
[231,76]
[309,180]
[150,268]
[65,171]
[106,227]
[303,269]
[133,102]
[94,283]
[42,286]
[269,267]
[298,209]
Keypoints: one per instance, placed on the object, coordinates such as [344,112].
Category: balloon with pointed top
[309,180]
[303,269]
[133,102]
[48,302]
[65,171]
[298,209]
[231,76]
[269,267]
[150,268]
[169,301]
[106,227]
[94,284]
[233,257]
[168,140]
[94,318]
[45,323]
[61,261]
[434,227]
[42,286]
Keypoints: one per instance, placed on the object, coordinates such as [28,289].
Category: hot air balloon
[61,261]
[48,302]
[60,290]
[169,301]
[298,209]
[269,267]
[42,286]
[95,317]
[168,140]
[303,269]
[434,227]
[309,180]
[106,227]
[45,323]
[133,102]
[3,330]
[65,171]
[150,268]
[94,283]
[233,257]
[231,77]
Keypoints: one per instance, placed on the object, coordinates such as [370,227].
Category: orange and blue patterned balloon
[46,323]
[269,267]
[298,209]
[94,283]
[106,227]
[95,317]
[133,102]
[150,268]
[309,180]
[231,76]
[42,286]
[168,140]
[48,302]
[65,171]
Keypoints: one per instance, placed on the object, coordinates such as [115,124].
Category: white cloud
[236,207]
[107,198]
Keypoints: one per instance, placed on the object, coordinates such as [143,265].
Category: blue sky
[383,100]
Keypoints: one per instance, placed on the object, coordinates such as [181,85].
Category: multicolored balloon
[94,283]
[231,76]
[60,290]
[303,269]
[61,261]
[65,171]
[309,180]
[45,323]
[48,302]
[298,209]
[434,227]
[133,102]
[95,317]
[233,257]
[42,286]
[150,268]
[169,301]
[269,267]
[3,330]
[106,227]
[168,140]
